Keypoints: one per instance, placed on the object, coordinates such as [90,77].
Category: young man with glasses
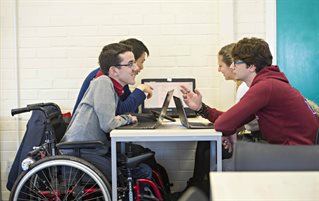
[129,101]
[200,176]
[95,116]
[283,115]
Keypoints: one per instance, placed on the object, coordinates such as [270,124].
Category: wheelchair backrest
[35,134]
[57,122]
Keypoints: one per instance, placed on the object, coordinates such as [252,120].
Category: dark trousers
[202,161]
[101,159]
[202,156]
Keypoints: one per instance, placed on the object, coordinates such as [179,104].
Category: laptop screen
[160,87]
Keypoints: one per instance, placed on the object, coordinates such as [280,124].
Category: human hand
[192,99]
[227,143]
[133,119]
[146,89]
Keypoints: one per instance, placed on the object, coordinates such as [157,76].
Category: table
[168,131]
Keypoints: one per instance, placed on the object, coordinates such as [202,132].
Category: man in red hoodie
[283,115]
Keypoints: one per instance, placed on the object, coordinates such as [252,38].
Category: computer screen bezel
[171,110]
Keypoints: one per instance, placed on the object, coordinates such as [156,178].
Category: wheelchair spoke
[31,194]
[69,180]
[62,179]
[95,198]
[85,191]
[89,191]
[47,182]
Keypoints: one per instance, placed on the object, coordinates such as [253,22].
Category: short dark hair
[138,47]
[110,56]
[253,51]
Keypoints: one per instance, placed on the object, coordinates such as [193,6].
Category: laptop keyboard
[145,117]
[141,125]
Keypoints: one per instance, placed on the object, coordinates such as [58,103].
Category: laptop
[148,121]
[182,116]
[160,86]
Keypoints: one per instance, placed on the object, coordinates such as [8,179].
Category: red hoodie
[282,113]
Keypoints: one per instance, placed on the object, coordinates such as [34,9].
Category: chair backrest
[57,121]
[35,135]
[269,157]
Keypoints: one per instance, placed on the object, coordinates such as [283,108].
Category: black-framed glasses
[237,62]
[129,64]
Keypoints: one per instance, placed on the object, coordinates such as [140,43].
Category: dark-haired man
[129,101]
[283,115]
[95,116]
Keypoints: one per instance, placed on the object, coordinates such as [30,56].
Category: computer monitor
[160,87]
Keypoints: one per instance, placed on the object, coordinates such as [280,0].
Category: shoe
[203,185]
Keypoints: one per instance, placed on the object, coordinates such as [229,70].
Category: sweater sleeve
[105,101]
[130,103]
[213,114]
[245,110]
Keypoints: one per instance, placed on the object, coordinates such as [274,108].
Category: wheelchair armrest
[80,145]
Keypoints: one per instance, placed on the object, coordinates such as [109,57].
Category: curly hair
[253,51]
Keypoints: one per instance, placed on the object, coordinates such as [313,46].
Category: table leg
[213,155]
[114,170]
[123,146]
[219,154]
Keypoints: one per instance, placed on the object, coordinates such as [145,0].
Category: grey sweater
[95,115]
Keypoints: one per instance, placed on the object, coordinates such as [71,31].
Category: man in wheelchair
[48,175]
[95,116]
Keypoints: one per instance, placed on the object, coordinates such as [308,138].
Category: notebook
[160,86]
[149,122]
[182,116]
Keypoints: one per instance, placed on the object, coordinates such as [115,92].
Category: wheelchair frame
[50,176]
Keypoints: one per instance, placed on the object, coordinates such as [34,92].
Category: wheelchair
[49,175]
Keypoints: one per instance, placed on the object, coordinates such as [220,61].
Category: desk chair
[270,157]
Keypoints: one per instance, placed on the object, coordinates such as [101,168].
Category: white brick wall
[48,47]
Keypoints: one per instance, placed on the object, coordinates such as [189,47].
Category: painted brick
[59,43]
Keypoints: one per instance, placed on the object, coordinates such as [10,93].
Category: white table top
[167,130]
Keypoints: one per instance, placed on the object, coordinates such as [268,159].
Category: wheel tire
[61,178]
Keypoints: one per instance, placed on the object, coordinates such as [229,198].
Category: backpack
[135,150]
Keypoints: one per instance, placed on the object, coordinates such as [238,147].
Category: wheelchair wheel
[61,178]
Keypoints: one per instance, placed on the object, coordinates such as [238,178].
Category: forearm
[209,113]
[131,103]
[245,110]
